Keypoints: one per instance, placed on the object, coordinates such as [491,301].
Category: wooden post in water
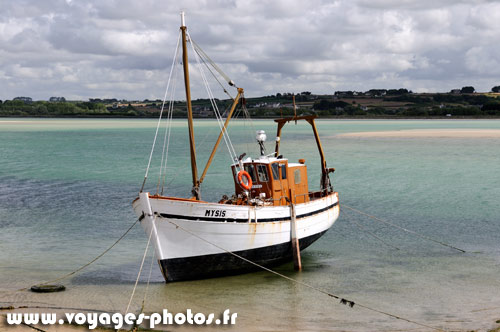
[297,264]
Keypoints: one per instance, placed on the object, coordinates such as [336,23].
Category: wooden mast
[194,170]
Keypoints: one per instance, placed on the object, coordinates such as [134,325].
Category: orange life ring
[245,174]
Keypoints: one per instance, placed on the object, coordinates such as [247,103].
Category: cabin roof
[295,164]
[260,160]
[267,160]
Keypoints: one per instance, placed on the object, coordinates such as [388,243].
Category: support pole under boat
[297,263]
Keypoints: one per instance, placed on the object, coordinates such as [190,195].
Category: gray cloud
[124,48]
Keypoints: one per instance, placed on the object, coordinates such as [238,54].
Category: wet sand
[432,133]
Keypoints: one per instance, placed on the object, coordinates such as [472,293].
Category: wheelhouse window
[296,175]
[262,173]
[283,171]
[249,168]
[275,170]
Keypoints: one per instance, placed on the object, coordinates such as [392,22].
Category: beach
[434,133]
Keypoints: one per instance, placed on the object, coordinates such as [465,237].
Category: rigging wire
[217,68]
[214,104]
[161,113]
[227,140]
[248,119]
[198,50]
[166,158]
[168,129]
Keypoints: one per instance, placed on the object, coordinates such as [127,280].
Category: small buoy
[47,288]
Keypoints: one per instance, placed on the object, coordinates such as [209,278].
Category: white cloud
[482,61]
[124,48]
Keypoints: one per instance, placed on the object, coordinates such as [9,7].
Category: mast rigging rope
[161,113]
[197,49]
[168,130]
[217,68]
[225,135]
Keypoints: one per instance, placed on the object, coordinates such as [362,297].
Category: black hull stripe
[196,218]
[223,264]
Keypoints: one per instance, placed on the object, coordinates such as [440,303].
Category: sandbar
[433,133]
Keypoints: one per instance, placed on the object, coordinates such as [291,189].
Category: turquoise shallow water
[66,186]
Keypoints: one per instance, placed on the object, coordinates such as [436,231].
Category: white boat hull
[192,238]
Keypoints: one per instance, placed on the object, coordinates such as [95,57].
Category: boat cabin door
[279,180]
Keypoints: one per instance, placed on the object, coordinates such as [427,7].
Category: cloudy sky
[123,49]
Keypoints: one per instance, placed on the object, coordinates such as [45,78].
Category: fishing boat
[269,218]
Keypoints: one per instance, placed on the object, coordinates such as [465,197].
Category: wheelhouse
[274,180]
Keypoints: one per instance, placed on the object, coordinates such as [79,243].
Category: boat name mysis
[215,213]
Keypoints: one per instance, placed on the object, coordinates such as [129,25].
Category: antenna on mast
[294,108]
[183,21]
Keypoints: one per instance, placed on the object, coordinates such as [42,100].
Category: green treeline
[374,103]
[45,108]
[413,105]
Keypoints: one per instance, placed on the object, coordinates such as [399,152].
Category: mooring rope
[147,284]
[87,264]
[403,229]
[338,297]
[363,229]
[142,264]
[33,327]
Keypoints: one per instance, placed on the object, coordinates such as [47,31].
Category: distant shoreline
[429,133]
[372,104]
[320,117]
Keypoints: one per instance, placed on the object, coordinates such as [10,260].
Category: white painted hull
[240,229]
